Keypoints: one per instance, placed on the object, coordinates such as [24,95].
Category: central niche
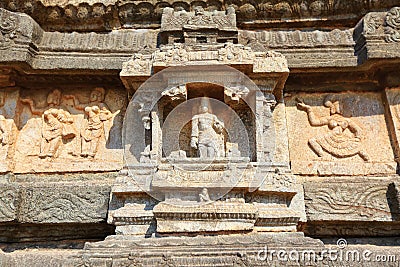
[206,124]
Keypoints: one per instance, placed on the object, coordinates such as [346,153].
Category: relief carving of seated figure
[207,133]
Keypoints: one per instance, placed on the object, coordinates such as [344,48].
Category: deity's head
[204,106]
[333,104]
[198,10]
[204,191]
[97,94]
[54,98]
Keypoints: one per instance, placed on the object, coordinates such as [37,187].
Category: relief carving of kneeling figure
[337,142]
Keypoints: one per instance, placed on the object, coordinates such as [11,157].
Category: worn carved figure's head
[333,104]
[198,10]
[54,98]
[97,95]
[204,105]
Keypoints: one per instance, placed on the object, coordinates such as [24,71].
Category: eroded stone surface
[361,199]
[59,203]
[8,202]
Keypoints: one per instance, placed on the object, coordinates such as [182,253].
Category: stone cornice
[25,42]
[92,15]
[377,36]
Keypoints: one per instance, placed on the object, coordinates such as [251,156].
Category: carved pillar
[265,135]
[156,134]
[281,153]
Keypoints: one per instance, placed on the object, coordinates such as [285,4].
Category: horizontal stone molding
[26,42]
[95,15]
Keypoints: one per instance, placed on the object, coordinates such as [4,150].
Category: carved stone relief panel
[362,199]
[8,101]
[63,203]
[8,207]
[70,130]
[339,134]
[393,99]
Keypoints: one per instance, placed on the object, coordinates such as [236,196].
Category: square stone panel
[343,134]
[393,99]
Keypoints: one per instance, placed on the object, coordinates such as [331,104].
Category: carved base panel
[145,228]
[233,250]
[343,168]
[178,226]
[212,217]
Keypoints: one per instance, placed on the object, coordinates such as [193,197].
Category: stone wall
[63,103]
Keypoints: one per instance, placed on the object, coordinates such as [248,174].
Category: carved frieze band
[179,54]
[101,15]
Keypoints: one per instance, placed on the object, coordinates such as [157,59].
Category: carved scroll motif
[393,25]
[176,93]
[8,28]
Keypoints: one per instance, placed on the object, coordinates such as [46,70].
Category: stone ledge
[239,256]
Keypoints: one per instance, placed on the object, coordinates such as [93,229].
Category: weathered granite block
[361,199]
[63,203]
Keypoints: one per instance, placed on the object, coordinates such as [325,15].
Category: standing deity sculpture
[207,133]
[344,138]
[57,124]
